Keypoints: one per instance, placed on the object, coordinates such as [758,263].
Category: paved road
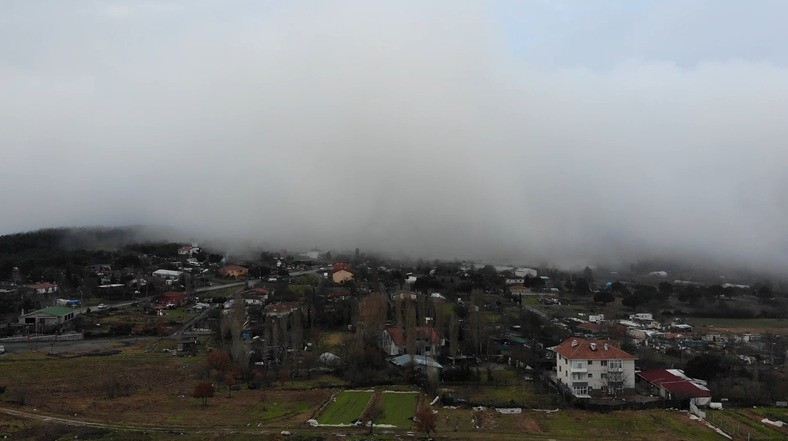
[537,312]
[216,287]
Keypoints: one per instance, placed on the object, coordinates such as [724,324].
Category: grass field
[399,409]
[746,423]
[347,407]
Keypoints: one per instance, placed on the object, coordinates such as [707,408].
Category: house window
[604,362]
[590,362]
[604,376]
[615,365]
[559,368]
[590,375]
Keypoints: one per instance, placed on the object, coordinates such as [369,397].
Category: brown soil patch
[527,424]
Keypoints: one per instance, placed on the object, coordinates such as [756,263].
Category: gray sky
[568,132]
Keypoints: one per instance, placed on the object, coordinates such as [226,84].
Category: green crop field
[744,423]
[399,409]
[347,406]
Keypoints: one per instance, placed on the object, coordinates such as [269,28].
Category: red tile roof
[338,292]
[398,334]
[282,307]
[678,386]
[233,268]
[42,285]
[592,327]
[576,348]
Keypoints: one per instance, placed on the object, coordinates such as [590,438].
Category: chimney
[574,343]
[606,346]
[593,346]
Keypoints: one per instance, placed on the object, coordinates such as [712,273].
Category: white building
[525,272]
[596,318]
[642,316]
[593,368]
[43,288]
[167,274]
[394,341]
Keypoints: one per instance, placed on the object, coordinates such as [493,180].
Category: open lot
[757,325]
[653,425]
[139,387]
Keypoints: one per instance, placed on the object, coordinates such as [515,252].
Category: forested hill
[57,247]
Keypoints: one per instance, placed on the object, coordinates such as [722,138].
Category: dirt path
[85,423]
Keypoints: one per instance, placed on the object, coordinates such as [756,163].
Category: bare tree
[203,391]
[421,309]
[615,381]
[410,330]
[238,350]
[426,420]
[398,311]
[454,334]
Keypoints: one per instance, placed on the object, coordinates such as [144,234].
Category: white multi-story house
[43,288]
[394,341]
[593,367]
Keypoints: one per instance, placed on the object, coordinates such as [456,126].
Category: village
[472,335]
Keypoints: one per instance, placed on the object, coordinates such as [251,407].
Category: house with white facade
[43,288]
[394,341]
[589,368]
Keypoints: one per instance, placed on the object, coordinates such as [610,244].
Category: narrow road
[216,287]
[85,423]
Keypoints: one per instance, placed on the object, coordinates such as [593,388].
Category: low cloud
[412,132]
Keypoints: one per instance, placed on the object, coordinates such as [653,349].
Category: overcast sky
[568,132]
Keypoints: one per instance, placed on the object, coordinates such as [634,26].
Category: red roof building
[674,385]
[394,341]
[338,266]
[170,299]
[43,287]
[233,271]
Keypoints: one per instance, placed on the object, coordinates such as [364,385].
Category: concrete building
[594,368]
[394,341]
[47,319]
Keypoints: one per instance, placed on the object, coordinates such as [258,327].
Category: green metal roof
[55,310]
